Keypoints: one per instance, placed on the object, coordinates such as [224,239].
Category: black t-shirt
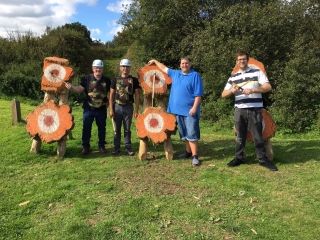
[124,89]
[96,91]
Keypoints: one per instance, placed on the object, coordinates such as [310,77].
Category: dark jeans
[249,119]
[122,114]
[100,116]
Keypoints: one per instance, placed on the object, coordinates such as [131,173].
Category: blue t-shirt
[184,90]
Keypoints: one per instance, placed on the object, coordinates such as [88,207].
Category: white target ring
[48,121]
[54,73]
[154,123]
[149,76]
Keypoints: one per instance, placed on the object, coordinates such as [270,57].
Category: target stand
[51,121]
[155,123]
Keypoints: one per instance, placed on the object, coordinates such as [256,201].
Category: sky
[99,16]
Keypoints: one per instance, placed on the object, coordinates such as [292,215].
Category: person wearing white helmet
[124,91]
[96,87]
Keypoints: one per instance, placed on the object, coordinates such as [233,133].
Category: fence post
[16,111]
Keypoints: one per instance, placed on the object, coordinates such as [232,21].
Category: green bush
[23,80]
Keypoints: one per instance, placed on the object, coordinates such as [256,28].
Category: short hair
[241,53]
[185,58]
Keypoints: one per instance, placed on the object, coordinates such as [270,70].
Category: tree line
[282,34]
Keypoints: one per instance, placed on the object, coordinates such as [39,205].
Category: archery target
[48,121]
[149,76]
[55,73]
[154,123]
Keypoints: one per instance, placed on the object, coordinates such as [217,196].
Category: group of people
[184,101]
[123,92]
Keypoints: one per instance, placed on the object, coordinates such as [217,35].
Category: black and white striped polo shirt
[255,79]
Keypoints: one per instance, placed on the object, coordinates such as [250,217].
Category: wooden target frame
[153,82]
[51,121]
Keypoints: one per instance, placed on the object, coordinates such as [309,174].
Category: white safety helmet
[125,62]
[97,63]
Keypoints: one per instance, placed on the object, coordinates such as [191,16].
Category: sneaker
[185,155]
[195,161]
[130,152]
[235,162]
[268,164]
[85,151]
[102,150]
[115,151]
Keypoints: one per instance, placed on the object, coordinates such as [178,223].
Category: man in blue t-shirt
[184,101]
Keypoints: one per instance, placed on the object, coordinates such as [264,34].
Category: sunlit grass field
[104,197]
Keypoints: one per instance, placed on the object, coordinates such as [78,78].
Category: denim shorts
[188,128]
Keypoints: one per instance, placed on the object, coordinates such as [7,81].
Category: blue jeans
[249,119]
[189,128]
[122,114]
[100,116]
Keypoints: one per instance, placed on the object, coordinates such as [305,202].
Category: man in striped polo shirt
[247,85]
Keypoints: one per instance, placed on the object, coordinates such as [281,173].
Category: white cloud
[115,30]
[119,6]
[95,31]
[35,15]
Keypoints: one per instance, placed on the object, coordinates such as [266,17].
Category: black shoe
[185,155]
[85,151]
[102,150]
[268,164]
[130,152]
[235,162]
[115,151]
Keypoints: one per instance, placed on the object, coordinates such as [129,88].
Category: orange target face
[154,123]
[49,122]
[268,126]
[55,72]
[152,78]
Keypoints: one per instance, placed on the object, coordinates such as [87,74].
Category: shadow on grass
[285,151]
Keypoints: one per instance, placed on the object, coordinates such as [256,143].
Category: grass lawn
[104,197]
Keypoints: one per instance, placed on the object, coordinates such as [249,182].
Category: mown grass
[103,197]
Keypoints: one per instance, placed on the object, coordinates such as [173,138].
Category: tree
[76,26]
[296,104]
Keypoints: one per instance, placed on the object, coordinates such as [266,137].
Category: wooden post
[269,150]
[62,146]
[62,143]
[48,96]
[16,111]
[36,145]
[167,144]
[143,148]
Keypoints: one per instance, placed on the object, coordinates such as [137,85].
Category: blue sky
[99,16]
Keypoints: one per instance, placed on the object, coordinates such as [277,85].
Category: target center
[153,122]
[55,72]
[48,121]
